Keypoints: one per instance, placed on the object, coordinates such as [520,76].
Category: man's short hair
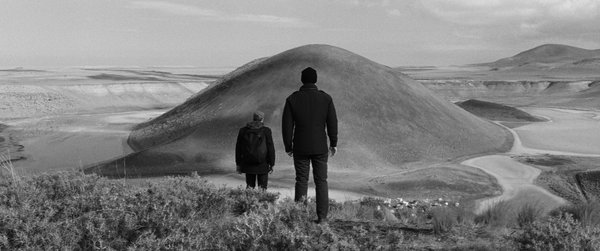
[309,76]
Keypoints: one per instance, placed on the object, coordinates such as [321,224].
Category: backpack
[254,151]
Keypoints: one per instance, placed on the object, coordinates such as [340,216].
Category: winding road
[555,137]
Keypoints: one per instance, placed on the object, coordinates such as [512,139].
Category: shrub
[74,211]
[587,212]
[371,201]
[464,215]
[292,214]
[559,233]
[353,211]
[245,200]
[7,170]
[529,213]
[443,219]
[498,215]
[286,226]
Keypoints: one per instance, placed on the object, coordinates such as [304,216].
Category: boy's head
[258,116]
[309,76]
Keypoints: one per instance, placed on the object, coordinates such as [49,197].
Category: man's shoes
[322,221]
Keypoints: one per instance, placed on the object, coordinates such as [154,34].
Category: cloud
[580,9]
[394,12]
[216,15]
[477,12]
[551,20]
[393,8]
[175,9]
[367,3]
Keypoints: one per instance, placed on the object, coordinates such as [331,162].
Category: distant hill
[386,119]
[549,56]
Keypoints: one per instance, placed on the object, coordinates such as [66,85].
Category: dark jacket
[260,168]
[307,113]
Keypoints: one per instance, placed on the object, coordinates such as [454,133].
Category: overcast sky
[228,33]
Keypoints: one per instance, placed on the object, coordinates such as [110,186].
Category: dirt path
[517,179]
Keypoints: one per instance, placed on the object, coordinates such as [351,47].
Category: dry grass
[529,213]
[76,211]
[587,213]
[7,168]
[501,214]
[443,219]
[512,213]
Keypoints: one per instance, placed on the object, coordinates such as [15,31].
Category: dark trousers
[319,164]
[263,180]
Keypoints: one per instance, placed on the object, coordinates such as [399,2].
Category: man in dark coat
[255,171]
[308,113]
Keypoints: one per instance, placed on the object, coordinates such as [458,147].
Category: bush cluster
[559,233]
[71,210]
[75,211]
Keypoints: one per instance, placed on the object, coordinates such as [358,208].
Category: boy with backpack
[255,152]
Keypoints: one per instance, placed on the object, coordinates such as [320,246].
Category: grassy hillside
[75,211]
[386,118]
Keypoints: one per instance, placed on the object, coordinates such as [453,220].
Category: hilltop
[548,62]
[550,56]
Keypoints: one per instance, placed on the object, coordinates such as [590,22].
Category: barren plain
[68,118]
